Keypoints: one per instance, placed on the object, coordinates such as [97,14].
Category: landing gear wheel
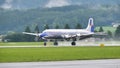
[45,43]
[73,43]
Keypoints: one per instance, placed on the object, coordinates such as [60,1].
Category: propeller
[37,37]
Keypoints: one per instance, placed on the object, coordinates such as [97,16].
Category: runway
[60,45]
[20,46]
[109,63]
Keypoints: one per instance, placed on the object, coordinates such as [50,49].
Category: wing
[81,36]
[35,34]
[100,34]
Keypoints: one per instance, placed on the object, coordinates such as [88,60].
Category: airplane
[66,33]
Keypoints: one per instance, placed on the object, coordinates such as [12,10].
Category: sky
[7,4]
[57,3]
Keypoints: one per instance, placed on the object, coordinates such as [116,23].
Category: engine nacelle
[66,36]
[78,35]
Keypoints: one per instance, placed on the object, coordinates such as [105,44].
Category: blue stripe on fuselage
[43,34]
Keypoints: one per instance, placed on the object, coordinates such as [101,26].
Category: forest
[14,21]
[17,20]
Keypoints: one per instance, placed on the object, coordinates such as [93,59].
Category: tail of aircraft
[90,26]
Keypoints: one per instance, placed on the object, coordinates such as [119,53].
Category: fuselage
[62,33]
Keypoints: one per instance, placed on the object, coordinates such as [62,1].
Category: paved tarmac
[20,46]
[29,46]
[65,43]
[109,63]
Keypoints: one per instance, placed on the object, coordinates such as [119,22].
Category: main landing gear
[73,43]
[55,43]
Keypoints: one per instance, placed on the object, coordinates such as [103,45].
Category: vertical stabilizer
[90,26]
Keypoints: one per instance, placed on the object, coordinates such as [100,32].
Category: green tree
[101,29]
[27,29]
[28,38]
[95,31]
[67,26]
[16,37]
[78,26]
[57,26]
[37,29]
[109,34]
[117,33]
[46,27]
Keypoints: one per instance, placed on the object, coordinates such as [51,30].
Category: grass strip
[58,53]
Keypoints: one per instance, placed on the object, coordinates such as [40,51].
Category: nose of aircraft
[43,35]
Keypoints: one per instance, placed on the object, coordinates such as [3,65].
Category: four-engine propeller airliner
[66,33]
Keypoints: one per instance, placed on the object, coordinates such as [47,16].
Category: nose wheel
[45,42]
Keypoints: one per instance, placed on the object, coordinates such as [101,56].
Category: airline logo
[91,24]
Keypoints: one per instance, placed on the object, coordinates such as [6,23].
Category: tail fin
[90,26]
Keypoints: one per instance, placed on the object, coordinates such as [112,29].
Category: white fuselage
[51,33]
